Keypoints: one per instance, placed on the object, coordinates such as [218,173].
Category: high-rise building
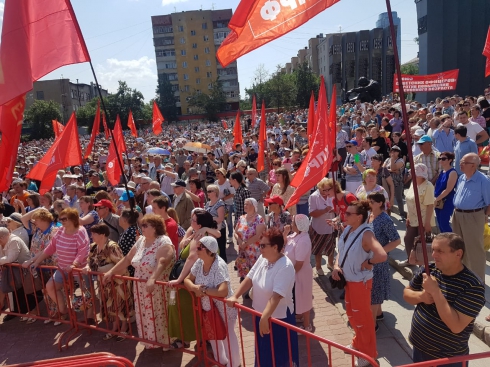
[452,35]
[185,47]
[384,22]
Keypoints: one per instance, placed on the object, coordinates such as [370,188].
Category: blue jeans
[229,219]
[302,209]
[419,356]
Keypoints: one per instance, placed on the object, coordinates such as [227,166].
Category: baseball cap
[424,139]
[104,202]
[124,196]
[419,132]
[353,142]
[178,183]
[276,199]
[210,243]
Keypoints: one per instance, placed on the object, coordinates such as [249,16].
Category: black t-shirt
[94,190]
[383,148]
[486,115]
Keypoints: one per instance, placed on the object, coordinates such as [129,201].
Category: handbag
[31,280]
[417,255]
[440,203]
[213,326]
[177,267]
[340,284]
[11,279]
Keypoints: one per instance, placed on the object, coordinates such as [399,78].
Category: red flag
[237,131]
[333,119]
[132,125]
[57,128]
[254,111]
[157,119]
[38,36]
[11,116]
[106,129]
[257,22]
[262,140]
[311,118]
[319,157]
[113,168]
[486,52]
[95,131]
[225,125]
[64,152]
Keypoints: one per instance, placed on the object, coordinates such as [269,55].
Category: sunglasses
[64,219]
[442,159]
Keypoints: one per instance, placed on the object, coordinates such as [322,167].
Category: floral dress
[118,296]
[282,220]
[151,309]
[249,255]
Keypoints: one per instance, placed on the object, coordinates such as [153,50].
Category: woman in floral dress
[248,231]
[152,257]
[277,217]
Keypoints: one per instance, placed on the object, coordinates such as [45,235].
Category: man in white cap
[416,136]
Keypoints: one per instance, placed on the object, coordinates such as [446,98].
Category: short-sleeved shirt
[341,206]
[473,129]
[172,232]
[465,293]
[267,279]
[426,196]
[473,193]
[317,202]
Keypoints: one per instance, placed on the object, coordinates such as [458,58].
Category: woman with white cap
[298,250]
[209,277]
[427,199]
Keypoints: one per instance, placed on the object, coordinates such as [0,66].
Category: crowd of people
[186,209]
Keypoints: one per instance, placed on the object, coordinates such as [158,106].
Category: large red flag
[486,52]
[95,132]
[254,111]
[319,157]
[132,125]
[64,152]
[57,128]
[38,36]
[157,119]
[333,118]
[311,118]
[107,133]
[237,130]
[113,168]
[257,22]
[262,140]
[11,116]
[225,125]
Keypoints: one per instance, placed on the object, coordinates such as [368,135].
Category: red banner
[486,52]
[446,80]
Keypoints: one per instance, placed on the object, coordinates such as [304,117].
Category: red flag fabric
[95,132]
[64,152]
[262,140]
[257,22]
[57,128]
[311,118]
[225,125]
[114,171]
[11,116]
[332,119]
[157,119]
[38,36]
[319,157]
[486,52]
[254,111]
[237,131]
[106,129]
[132,125]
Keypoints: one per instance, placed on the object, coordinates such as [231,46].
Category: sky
[119,37]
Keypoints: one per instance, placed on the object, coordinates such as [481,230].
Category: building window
[196,57]
[182,40]
[210,86]
[364,45]
[184,64]
[181,28]
[390,42]
[165,53]
[220,35]
[166,29]
[337,49]
[186,77]
[163,41]
[198,80]
[172,77]
[193,33]
[205,26]
[422,25]
[205,38]
[208,62]
[187,88]
[170,65]
[183,52]
[377,43]
[40,95]
[209,74]
[175,87]
[196,69]
[198,91]
[194,45]
[206,50]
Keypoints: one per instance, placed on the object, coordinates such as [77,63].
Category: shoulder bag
[178,266]
[340,284]
[213,326]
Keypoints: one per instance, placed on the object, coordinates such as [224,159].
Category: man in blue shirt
[444,135]
[464,145]
[471,209]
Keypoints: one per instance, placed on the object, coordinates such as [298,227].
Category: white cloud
[2,7]
[140,74]
[168,2]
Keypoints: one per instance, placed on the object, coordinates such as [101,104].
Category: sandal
[61,317]
[31,320]
[108,336]
[24,318]
[121,338]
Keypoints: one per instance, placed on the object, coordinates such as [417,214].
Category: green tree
[210,104]
[120,103]
[280,90]
[305,82]
[410,69]
[165,98]
[40,115]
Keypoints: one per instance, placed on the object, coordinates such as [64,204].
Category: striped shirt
[431,161]
[465,293]
[70,248]
[258,189]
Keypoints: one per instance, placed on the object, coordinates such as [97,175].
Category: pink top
[70,248]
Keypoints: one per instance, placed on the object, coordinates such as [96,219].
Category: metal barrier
[444,361]
[86,360]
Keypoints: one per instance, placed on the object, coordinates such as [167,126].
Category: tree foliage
[210,103]
[410,69]
[165,98]
[306,82]
[40,115]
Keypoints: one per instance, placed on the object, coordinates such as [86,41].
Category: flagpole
[408,136]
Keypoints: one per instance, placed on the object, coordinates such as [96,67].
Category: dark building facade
[452,35]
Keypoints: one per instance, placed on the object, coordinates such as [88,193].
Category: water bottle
[171,301]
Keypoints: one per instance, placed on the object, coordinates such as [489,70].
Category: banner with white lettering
[446,80]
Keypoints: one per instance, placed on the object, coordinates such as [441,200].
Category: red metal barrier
[86,360]
[444,361]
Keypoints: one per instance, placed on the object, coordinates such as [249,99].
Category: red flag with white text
[257,22]
[262,140]
[38,36]
[64,152]
[319,157]
[157,119]
[11,116]
[95,132]
[113,168]
[132,125]
[237,131]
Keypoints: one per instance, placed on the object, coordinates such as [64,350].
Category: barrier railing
[85,360]
[445,361]
[168,317]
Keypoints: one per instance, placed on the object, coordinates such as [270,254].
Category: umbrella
[197,147]
[159,151]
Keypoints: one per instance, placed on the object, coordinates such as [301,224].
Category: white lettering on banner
[270,10]
[318,161]
[291,3]
[111,164]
